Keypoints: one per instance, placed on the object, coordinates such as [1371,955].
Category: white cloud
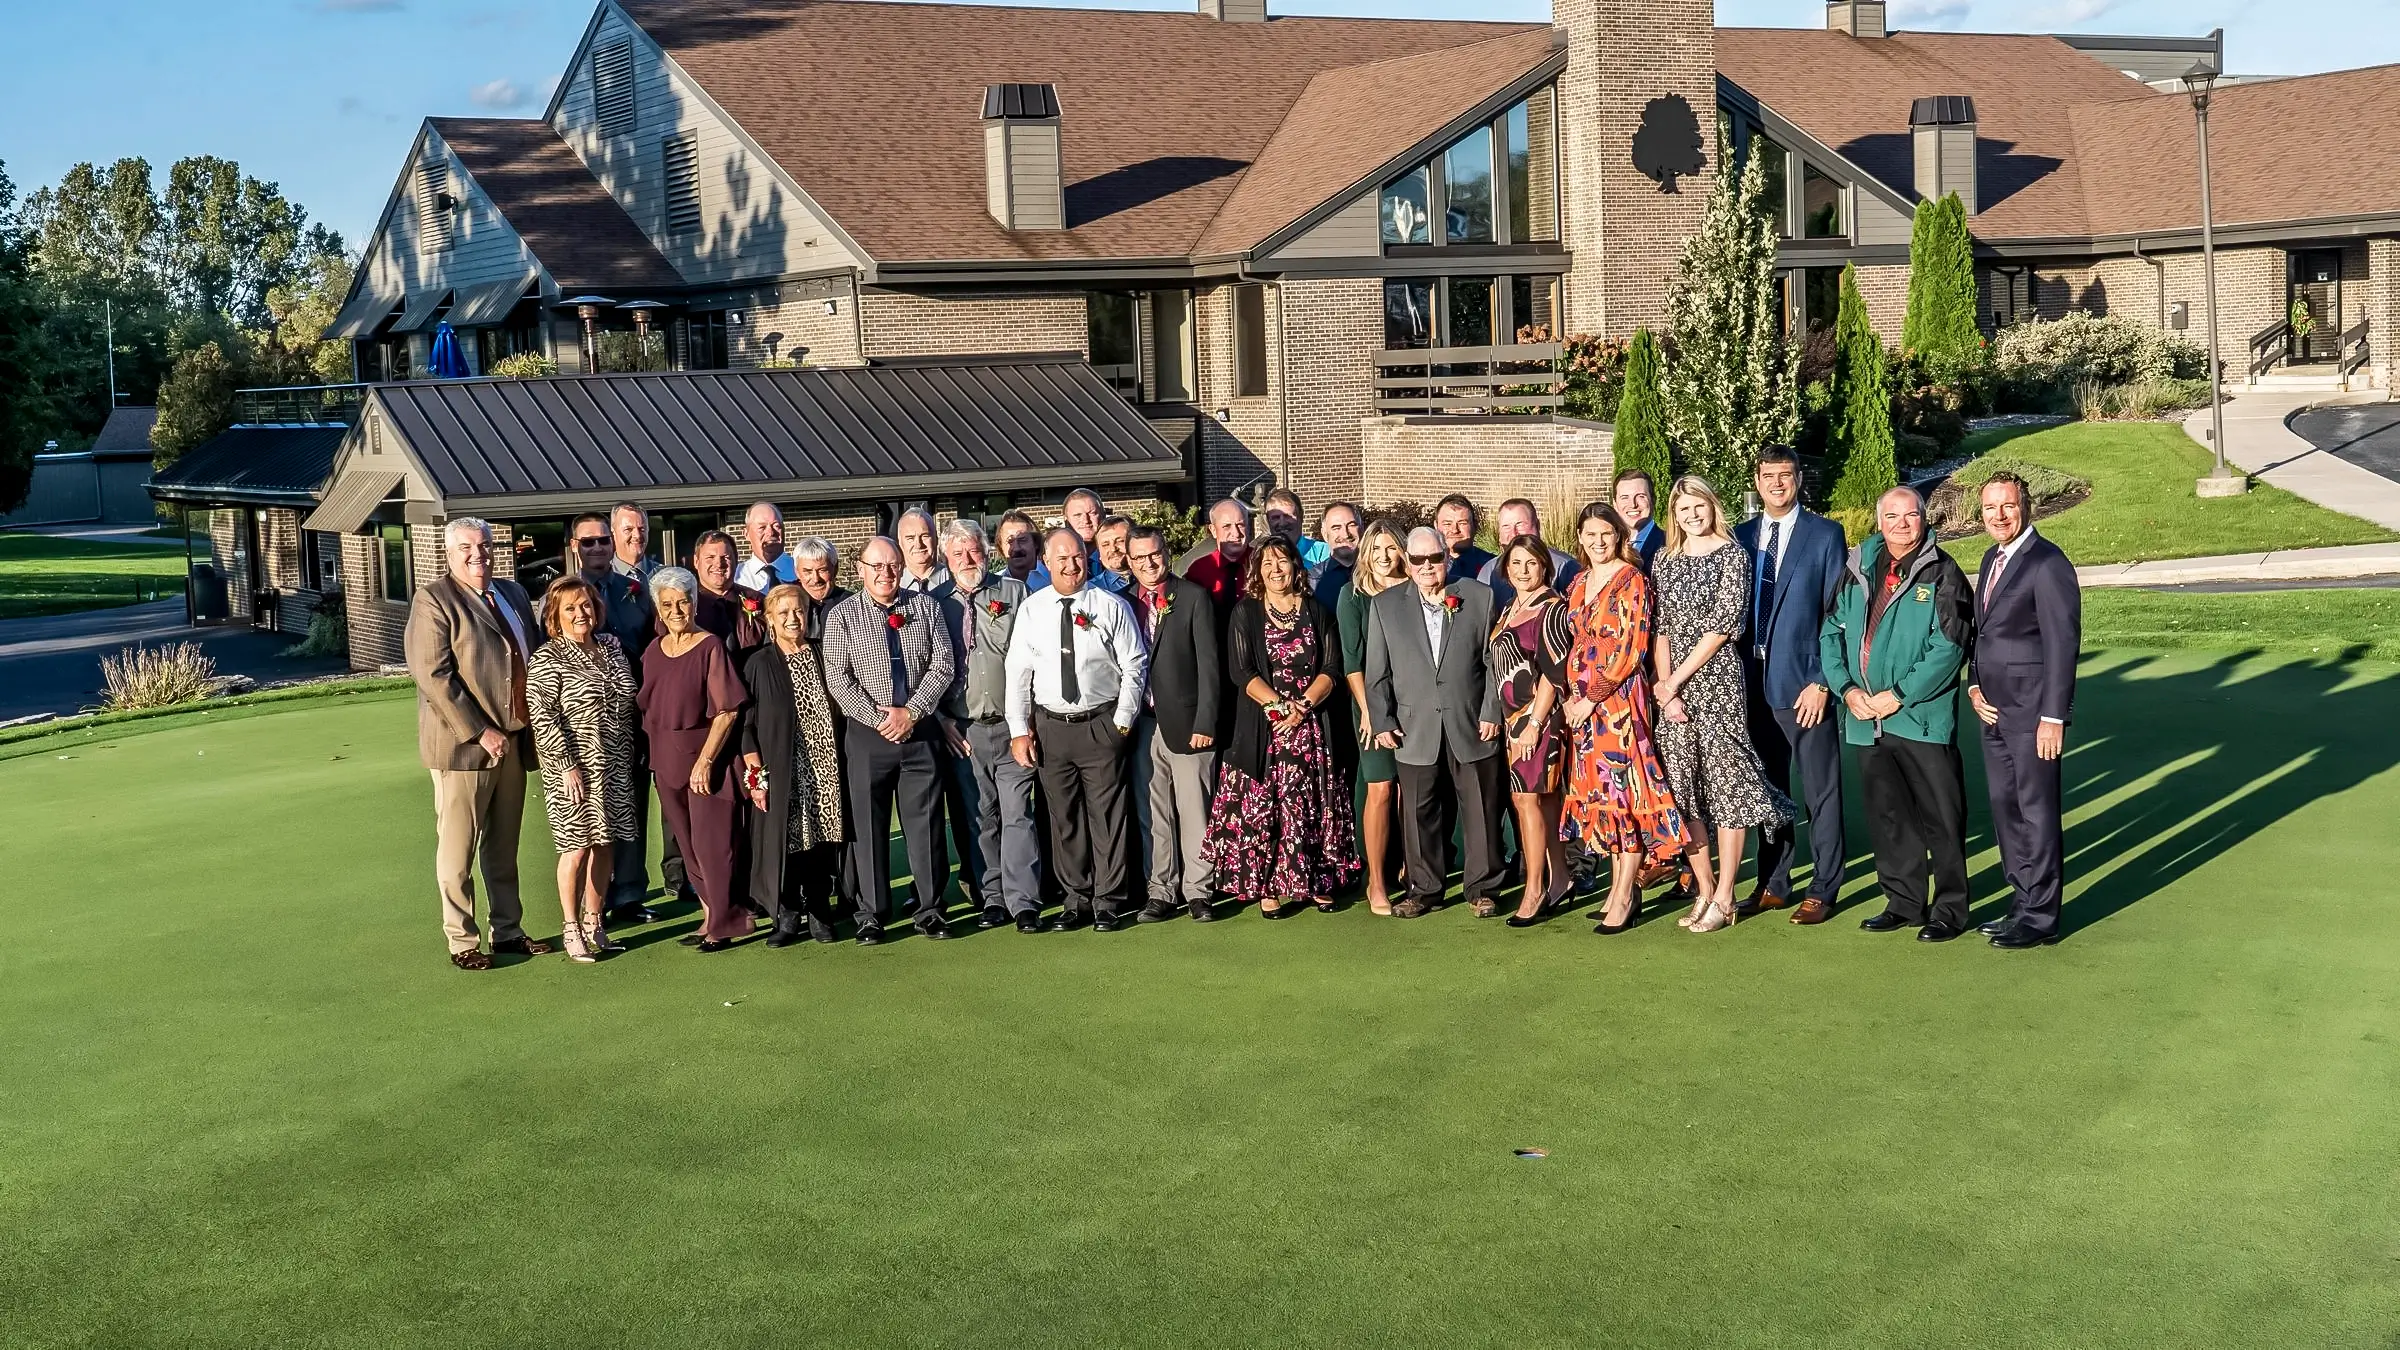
[1927,13]
[499,95]
[2074,11]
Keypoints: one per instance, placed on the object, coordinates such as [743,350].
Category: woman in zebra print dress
[579,695]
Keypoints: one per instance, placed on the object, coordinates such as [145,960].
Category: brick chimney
[1022,184]
[1235,11]
[1858,18]
[1943,129]
[1632,63]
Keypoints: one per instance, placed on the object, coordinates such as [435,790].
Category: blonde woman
[1703,586]
[1379,568]
[579,692]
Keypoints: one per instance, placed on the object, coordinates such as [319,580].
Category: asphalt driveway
[2366,435]
[52,664]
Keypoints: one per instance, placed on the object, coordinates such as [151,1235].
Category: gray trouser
[997,792]
[1171,793]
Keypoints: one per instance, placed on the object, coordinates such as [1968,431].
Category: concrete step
[2293,383]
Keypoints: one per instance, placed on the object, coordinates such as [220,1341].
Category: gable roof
[873,109]
[126,432]
[980,421]
[1854,94]
[569,221]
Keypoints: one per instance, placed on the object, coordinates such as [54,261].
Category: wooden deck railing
[1513,378]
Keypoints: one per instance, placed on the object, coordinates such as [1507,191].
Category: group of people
[1073,721]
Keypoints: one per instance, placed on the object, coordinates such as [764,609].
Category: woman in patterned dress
[579,695]
[1529,654]
[1617,804]
[1378,569]
[1703,597]
[1280,828]
[793,776]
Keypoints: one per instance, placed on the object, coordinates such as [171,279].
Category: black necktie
[1766,587]
[1070,689]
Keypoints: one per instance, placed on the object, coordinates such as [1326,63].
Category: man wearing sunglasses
[1432,702]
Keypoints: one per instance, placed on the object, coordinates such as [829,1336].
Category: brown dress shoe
[523,946]
[1411,908]
[1759,902]
[470,959]
[1812,910]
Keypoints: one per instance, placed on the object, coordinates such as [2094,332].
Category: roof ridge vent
[1023,184]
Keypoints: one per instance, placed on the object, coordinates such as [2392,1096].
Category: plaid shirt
[858,655]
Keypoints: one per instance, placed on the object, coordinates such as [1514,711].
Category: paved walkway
[52,664]
[109,534]
[2259,440]
[2262,571]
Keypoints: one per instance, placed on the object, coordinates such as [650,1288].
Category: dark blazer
[1805,583]
[1187,672]
[1246,659]
[2028,632]
[1432,698]
[1649,540]
[768,731]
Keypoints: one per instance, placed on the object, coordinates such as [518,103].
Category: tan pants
[477,814]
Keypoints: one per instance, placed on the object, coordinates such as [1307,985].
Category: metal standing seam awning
[419,314]
[367,309]
[482,306]
[351,499]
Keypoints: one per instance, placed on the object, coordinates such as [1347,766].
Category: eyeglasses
[592,541]
[1428,560]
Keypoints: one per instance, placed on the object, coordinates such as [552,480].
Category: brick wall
[1335,329]
[1559,464]
[939,323]
[375,625]
[2382,292]
[1885,291]
[1627,235]
[797,328]
[1248,440]
[2250,292]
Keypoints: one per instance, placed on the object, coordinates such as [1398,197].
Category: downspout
[1282,382]
[858,322]
[2159,269]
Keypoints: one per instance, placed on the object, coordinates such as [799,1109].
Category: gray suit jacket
[461,658]
[1434,700]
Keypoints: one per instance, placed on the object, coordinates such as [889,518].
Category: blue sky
[322,96]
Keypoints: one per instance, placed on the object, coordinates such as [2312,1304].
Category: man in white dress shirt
[1075,669]
[768,565]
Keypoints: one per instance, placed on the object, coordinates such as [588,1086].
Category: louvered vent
[682,155]
[434,232]
[612,88]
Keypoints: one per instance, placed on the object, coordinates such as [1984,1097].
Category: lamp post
[587,308]
[2200,81]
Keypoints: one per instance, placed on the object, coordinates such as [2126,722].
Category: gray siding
[1352,232]
[485,248]
[1878,221]
[751,224]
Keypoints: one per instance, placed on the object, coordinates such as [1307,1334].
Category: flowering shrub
[2059,354]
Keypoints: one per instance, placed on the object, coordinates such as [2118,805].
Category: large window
[1532,128]
[1467,189]
[1533,308]
[1468,311]
[393,578]
[1497,184]
[1408,314]
[1405,219]
[1773,164]
[1249,340]
[1820,205]
[1114,322]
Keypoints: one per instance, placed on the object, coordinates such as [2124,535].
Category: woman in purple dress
[1281,829]
[1529,654]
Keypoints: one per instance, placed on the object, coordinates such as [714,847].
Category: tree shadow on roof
[1140,184]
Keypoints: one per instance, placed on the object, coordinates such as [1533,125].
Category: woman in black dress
[787,738]
[1281,827]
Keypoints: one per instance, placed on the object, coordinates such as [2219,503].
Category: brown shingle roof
[872,108]
[1854,94]
[2281,150]
[563,213]
[1349,122]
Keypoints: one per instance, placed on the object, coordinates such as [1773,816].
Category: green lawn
[244,1101]
[44,575]
[2142,506]
[2360,623]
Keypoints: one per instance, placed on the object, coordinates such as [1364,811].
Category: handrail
[2266,348]
[2354,351]
[1470,379]
[300,403]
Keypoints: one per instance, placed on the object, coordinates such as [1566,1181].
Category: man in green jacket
[1900,631]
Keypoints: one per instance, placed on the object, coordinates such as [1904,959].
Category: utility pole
[108,320]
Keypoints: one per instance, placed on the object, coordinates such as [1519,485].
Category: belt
[1085,716]
[992,721]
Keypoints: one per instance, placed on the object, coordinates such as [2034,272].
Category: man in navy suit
[1635,497]
[1796,567]
[2028,629]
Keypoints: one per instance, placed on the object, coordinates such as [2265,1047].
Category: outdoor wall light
[833,306]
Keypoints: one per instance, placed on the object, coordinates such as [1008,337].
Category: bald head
[1427,554]
[879,569]
[763,522]
[1229,525]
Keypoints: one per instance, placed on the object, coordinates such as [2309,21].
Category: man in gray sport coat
[1432,702]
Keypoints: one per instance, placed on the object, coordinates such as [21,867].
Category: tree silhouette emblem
[1668,143]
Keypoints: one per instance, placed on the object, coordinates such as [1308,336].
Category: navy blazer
[1649,540]
[1814,563]
[2028,631]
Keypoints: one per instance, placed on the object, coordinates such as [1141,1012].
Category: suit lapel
[479,611]
[1450,623]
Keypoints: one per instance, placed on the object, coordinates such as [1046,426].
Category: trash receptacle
[210,602]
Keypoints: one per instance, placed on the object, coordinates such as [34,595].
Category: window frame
[391,545]
[1250,364]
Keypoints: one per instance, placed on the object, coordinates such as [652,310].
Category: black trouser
[1476,789]
[1082,766]
[1916,810]
[809,879]
[878,775]
[1780,740]
[2027,820]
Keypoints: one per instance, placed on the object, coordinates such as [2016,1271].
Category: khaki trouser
[478,813]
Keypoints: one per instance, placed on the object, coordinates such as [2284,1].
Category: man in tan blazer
[470,635]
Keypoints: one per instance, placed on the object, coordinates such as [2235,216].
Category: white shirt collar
[1785,519]
[2009,549]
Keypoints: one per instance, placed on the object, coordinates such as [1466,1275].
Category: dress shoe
[1157,911]
[1938,932]
[632,914]
[2019,937]
[522,946]
[1760,902]
[1104,923]
[1411,908]
[471,959]
[1068,921]
[1279,912]
[1996,927]
[870,936]
[1813,910]
[1887,922]
[787,932]
[1525,920]
[821,931]
[933,928]
[991,918]
[1203,912]
[711,946]
[688,940]
[1031,923]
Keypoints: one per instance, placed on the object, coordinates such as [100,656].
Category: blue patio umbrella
[447,361]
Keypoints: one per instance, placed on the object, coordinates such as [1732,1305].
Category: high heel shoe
[1323,906]
[1699,907]
[1279,912]
[579,949]
[1715,917]
[596,934]
[1606,929]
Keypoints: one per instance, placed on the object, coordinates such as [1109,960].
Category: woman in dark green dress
[1379,567]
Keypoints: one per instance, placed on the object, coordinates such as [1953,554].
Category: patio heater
[587,308]
[2200,81]
[641,311]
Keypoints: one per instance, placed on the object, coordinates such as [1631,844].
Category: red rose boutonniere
[1082,620]
[751,605]
[1451,603]
[896,620]
[995,608]
[633,588]
[1166,604]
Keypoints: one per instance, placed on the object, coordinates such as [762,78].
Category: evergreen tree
[1641,442]
[1859,449]
[1731,384]
[1940,327]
